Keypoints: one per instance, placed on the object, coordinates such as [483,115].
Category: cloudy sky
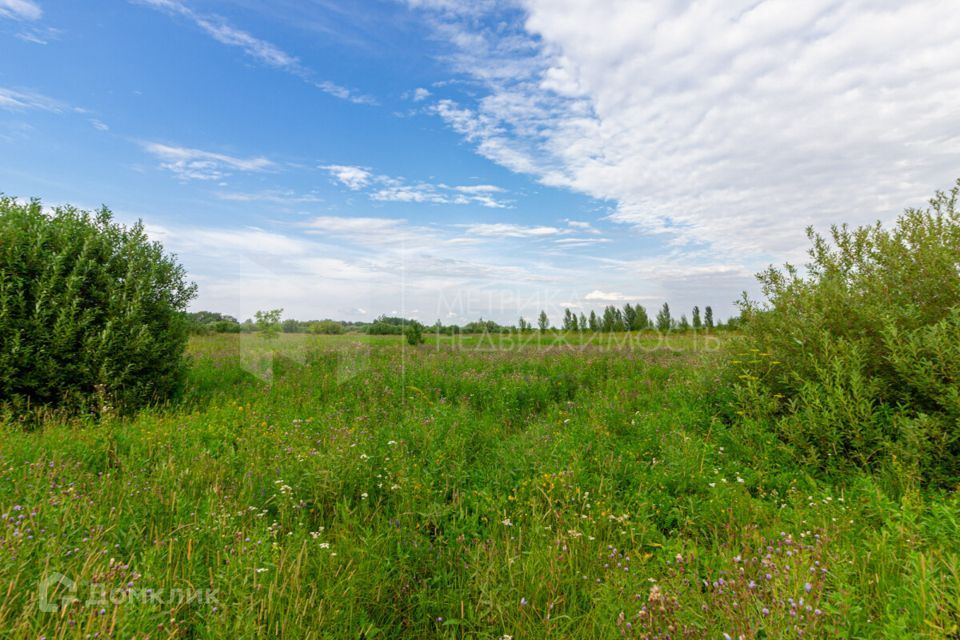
[453,159]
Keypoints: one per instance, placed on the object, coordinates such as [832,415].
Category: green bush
[414,333]
[91,312]
[327,327]
[859,358]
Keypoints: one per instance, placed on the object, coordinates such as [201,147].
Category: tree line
[611,319]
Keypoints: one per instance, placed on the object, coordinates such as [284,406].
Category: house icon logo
[48,588]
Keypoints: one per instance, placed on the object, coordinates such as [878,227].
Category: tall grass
[359,488]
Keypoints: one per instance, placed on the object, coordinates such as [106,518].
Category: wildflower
[507,522]
[808,587]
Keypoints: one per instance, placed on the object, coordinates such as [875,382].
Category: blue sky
[447,159]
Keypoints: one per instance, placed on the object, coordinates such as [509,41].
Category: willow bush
[858,358]
[91,312]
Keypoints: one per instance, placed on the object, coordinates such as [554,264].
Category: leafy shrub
[326,327]
[860,358]
[91,312]
[268,323]
[414,333]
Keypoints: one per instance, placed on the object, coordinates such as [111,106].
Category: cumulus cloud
[196,164]
[385,188]
[729,124]
[608,296]
[353,177]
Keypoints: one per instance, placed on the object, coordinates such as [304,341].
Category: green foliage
[91,312]
[453,493]
[543,322]
[268,323]
[206,322]
[860,356]
[413,332]
[664,320]
[327,327]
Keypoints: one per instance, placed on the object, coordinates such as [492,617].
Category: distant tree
[291,326]
[329,327]
[664,321]
[684,324]
[594,322]
[268,323]
[568,320]
[583,321]
[574,323]
[629,316]
[640,318]
[708,317]
[697,322]
[414,333]
[612,319]
[225,326]
[523,325]
[543,321]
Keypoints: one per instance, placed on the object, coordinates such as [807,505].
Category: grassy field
[352,487]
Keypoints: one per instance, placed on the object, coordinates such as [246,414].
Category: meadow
[547,487]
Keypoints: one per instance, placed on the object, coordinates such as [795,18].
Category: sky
[454,159]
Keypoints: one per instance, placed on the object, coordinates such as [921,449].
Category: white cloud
[257,48]
[506,230]
[353,226]
[20,10]
[420,94]
[580,242]
[389,189]
[195,164]
[728,124]
[99,125]
[274,196]
[608,296]
[478,188]
[14,100]
[353,177]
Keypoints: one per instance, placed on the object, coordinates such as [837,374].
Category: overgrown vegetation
[91,312]
[453,491]
[857,362]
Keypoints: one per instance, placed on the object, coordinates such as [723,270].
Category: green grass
[353,487]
